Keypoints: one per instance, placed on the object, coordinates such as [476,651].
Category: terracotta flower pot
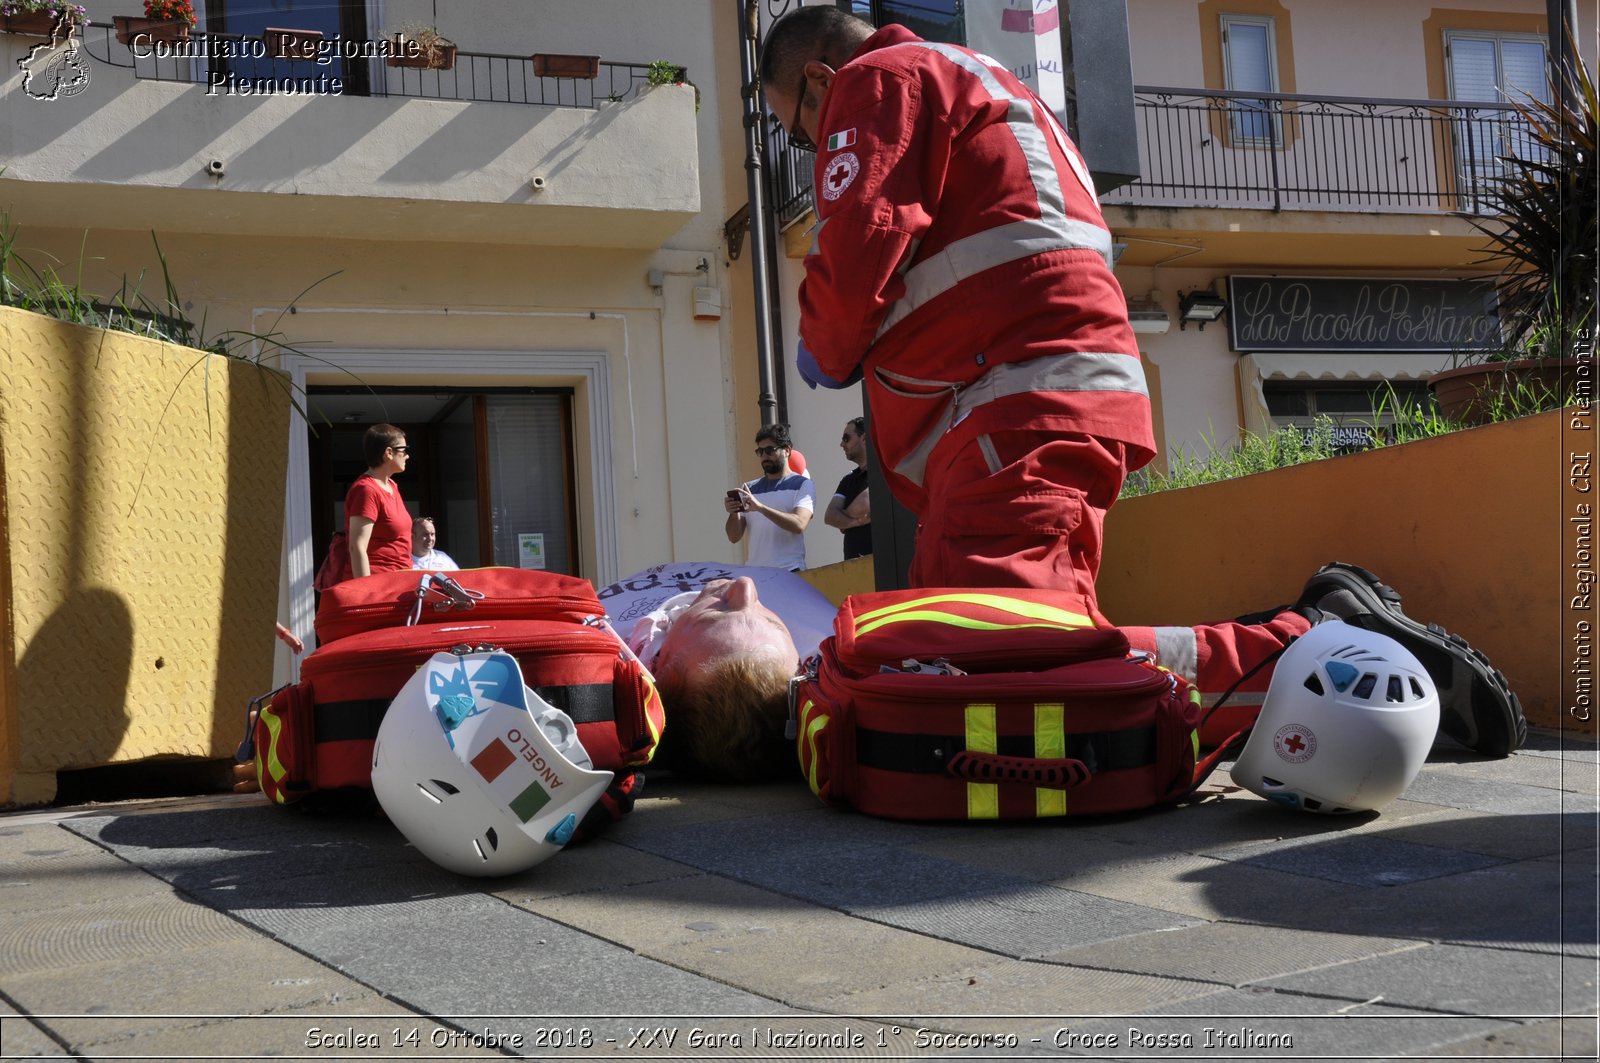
[1468,392]
[552,65]
[131,28]
[35,24]
[441,55]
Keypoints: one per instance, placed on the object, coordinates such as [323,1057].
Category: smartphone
[734,496]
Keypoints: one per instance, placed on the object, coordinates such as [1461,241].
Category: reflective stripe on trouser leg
[1177,650]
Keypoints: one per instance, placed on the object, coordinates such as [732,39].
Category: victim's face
[728,619]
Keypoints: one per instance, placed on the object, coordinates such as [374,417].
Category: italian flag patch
[842,140]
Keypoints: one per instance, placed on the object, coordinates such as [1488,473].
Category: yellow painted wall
[1480,531]
[143,488]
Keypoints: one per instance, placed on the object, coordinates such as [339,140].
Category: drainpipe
[755,180]
[1561,18]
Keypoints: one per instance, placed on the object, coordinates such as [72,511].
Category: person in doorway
[722,642]
[850,509]
[424,538]
[377,524]
[774,508]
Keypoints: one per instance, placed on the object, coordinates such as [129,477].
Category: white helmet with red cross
[1348,720]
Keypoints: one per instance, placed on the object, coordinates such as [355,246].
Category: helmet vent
[1416,688]
[1314,685]
[1365,687]
[429,794]
[1265,781]
[1311,804]
[492,838]
[1397,689]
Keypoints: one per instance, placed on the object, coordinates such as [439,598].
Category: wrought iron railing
[1280,151]
[789,173]
[234,64]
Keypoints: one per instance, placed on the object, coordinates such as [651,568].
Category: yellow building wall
[141,526]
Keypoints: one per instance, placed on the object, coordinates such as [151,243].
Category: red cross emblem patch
[1295,743]
[842,169]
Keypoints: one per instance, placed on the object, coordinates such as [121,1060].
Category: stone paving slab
[1536,905]
[46,868]
[252,975]
[1543,1039]
[995,995]
[1231,954]
[1472,981]
[135,929]
[1368,860]
[775,946]
[1023,922]
[1261,1023]
[1487,787]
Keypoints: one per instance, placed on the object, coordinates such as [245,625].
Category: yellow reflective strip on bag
[1194,741]
[813,728]
[983,798]
[269,760]
[1036,610]
[1050,743]
[951,619]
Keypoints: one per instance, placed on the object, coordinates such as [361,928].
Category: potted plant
[556,65]
[1543,241]
[164,20]
[42,18]
[420,46]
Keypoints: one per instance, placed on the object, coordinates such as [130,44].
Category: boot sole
[1478,707]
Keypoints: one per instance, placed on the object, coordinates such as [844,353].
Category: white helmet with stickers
[1347,722]
[479,773]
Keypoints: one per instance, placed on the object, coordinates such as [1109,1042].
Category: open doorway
[493,467]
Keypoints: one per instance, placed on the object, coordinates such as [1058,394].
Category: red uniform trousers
[1026,508]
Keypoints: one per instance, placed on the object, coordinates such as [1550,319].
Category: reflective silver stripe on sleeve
[1053,230]
[1178,651]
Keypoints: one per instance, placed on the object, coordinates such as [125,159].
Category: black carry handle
[1059,773]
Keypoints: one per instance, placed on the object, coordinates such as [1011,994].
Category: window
[1356,409]
[339,20]
[932,20]
[1492,68]
[1249,64]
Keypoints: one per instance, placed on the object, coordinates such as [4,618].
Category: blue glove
[806,363]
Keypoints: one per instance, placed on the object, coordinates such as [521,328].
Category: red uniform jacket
[959,255]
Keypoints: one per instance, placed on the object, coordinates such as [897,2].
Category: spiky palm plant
[1543,241]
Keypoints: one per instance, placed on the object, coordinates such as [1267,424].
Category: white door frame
[443,367]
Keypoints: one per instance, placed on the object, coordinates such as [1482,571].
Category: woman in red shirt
[377,525]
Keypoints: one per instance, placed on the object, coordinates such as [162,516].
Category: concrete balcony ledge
[132,154]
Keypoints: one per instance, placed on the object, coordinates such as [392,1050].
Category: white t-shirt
[435,560]
[643,605]
[769,544]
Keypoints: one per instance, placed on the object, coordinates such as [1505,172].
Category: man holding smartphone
[774,508]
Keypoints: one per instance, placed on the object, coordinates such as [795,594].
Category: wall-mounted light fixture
[1147,315]
[1200,307]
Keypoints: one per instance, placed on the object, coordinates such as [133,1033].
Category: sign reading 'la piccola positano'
[1361,314]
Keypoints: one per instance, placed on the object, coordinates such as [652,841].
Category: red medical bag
[972,704]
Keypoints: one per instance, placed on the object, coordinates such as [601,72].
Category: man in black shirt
[850,509]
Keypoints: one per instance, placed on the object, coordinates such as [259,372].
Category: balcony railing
[1277,151]
[237,65]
